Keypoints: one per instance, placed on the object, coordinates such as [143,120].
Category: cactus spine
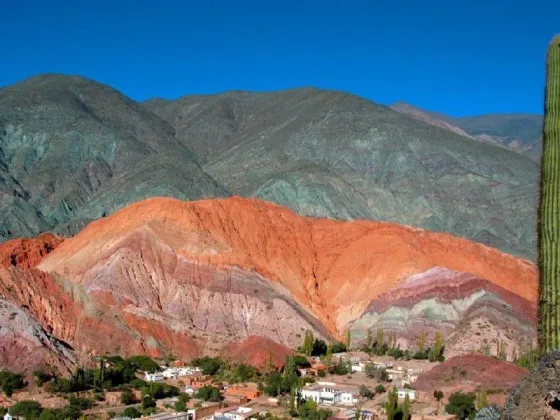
[549,211]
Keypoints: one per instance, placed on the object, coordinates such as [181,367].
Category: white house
[153,377]
[330,394]
[233,413]
[8,416]
[358,367]
[402,393]
[189,390]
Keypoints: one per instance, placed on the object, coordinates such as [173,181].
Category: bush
[11,382]
[147,402]
[137,383]
[338,347]
[41,377]
[80,403]
[378,373]
[342,369]
[209,393]
[365,392]
[127,397]
[301,361]
[461,404]
[131,412]
[309,411]
[380,389]
[438,395]
[27,409]
[319,348]
[181,404]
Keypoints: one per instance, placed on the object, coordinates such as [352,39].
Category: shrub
[379,389]
[11,382]
[209,393]
[131,412]
[461,404]
[27,409]
[366,392]
[127,397]
[438,395]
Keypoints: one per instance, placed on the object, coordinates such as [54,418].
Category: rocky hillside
[521,133]
[472,313]
[167,276]
[332,154]
[73,150]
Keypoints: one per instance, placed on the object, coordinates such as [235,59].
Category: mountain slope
[163,276]
[521,133]
[72,149]
[332,154]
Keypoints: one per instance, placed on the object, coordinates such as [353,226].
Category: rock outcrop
[473,314]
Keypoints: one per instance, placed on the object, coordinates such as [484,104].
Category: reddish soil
[27,252]
[470,372]
[258,352]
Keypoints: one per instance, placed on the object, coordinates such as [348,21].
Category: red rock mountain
[166,276]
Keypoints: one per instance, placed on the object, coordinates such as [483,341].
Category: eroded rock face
[258,352]
[473,314]
[164,276]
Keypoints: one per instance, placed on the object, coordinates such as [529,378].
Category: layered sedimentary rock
[164,276]
[472,313]
[257,351]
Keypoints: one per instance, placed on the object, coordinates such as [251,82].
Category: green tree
[392,404]
[339,347]
[438,395]
[406,408]
[369,340]
[461,404]
[328,357]
[209,393]
[11,382]
[481,399]
[319,348]
[307,346]
[148,402]
[181,404]
[422,342]
[208,365]
[348,341]
[436,352]
[379,389]
[132,412]
[549,212]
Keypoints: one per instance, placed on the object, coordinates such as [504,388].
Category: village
[350,385]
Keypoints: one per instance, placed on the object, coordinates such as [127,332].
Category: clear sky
[461,57]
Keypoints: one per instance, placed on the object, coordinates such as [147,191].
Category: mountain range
[73,150]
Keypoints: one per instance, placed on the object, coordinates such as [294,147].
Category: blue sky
[461,57]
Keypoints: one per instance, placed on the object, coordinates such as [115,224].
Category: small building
[358,367]
[315,370]
[233,413]
[207,410]
[153,377]
[248,393]
[393,374]
[402,393]
[330,394]
[8,416]
[189,390]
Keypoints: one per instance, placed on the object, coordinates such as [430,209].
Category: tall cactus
[549,212]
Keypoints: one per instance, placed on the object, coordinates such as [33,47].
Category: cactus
[549,211]
[490,412]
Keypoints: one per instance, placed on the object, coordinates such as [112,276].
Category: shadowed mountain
[72,150]
[332,154]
